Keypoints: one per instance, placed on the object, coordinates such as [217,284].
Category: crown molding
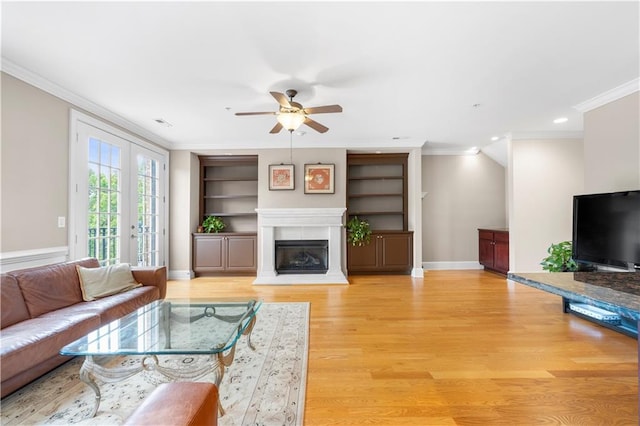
[470,151]
[52,88]
[609,96]
[545,135]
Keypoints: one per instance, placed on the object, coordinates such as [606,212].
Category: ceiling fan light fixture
[291,120]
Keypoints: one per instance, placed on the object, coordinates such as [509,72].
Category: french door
[117,198]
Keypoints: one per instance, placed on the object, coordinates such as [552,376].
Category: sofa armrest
[152,275]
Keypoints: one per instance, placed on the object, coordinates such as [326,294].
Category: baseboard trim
[417,272]
[181,275]
[12,260]
[459,265]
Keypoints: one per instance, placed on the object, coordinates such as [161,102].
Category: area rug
[261,387]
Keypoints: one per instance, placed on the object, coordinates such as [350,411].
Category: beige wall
[184,190]
[612,146]
[544,175]
[464,193]
[35,157]
[297,197]
[35,167]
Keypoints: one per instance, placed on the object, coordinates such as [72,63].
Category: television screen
[606,228]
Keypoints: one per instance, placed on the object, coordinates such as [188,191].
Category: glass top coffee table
[209,329]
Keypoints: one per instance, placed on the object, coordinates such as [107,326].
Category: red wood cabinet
[493,249]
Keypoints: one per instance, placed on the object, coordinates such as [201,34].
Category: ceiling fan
[292,114]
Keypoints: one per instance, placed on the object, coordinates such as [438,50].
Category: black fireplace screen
[302,256]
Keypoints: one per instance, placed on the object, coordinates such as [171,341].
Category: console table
[616,293]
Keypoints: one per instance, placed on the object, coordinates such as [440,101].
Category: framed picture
[281,177]
[318,179]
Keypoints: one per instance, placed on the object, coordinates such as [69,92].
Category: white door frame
[77,117]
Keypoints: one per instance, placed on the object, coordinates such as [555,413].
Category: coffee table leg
[85,376]
[91,369]
[248,330]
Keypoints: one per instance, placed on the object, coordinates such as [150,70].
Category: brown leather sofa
[42,310]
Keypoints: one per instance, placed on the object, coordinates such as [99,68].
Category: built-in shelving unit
[229,190]
[377,193]
[377,190]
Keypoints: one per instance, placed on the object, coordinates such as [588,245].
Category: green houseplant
[358,232]
[559,259]
[212,224]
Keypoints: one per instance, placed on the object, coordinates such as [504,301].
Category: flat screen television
[606,229]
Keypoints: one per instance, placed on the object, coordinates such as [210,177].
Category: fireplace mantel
[300,224]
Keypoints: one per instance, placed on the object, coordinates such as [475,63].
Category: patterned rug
[261,387]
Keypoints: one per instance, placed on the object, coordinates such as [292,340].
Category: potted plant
[358,232]
[212,224]
[560,258]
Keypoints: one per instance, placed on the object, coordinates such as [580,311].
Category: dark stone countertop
[618,292]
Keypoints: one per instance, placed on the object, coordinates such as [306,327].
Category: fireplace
[301,225]
[302,256]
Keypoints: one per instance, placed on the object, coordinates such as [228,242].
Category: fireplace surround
[300,224]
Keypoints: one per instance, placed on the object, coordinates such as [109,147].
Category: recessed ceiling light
[495,138]
[560,120]
[473,150]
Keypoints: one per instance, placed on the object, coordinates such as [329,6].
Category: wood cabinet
[229,190]
[224,253]
[377,193]
[388,252]
[493,249]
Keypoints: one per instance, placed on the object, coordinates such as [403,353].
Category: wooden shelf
[245,214]
[372,194]
[376,178]
[247,179]
[229,197]
[375,213]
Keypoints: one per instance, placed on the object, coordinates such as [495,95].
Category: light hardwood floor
[454,348]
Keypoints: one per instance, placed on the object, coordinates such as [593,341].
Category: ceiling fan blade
[276,128]
[323,109]
[281,98]
[256,113]
[315,125]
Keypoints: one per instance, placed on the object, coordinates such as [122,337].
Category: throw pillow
[106,281]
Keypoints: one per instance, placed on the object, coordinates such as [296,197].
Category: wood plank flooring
[454,348]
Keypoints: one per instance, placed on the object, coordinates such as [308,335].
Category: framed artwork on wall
[318,178]
[281,177]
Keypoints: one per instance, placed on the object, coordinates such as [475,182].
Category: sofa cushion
[33,341]
[51,287]
[110,308]
[96,283]
[12,306]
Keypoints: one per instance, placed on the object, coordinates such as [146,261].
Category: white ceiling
[412,71]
